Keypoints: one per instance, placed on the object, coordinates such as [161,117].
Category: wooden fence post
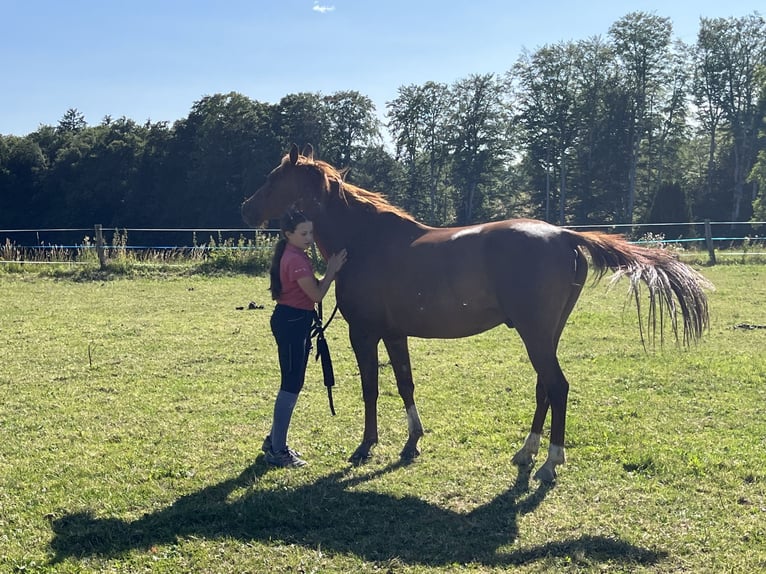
[709,243]
[100,246]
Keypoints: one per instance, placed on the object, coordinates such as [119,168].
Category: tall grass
[243,255]
[132,412]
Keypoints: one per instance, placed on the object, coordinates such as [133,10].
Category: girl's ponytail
[288,223]
[275,284]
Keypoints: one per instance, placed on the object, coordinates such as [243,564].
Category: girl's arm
[316,290]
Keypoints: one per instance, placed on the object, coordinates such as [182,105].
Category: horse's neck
[348,226]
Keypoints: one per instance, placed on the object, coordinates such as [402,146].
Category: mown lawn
[132,413]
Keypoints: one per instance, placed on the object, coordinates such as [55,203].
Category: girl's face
[302,237]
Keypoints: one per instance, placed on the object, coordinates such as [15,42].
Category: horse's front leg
[399,353]
[365,348]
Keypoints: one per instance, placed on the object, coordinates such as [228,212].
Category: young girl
[296,291]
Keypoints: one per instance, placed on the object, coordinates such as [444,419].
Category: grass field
[132,413]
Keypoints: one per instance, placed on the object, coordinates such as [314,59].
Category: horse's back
[529,248]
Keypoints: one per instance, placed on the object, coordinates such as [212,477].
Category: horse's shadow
[330,514]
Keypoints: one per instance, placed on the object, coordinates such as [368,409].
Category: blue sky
[152,59]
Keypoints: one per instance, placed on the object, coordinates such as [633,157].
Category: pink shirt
[294,265]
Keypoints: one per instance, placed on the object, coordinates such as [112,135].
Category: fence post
[100,246]
[709,243]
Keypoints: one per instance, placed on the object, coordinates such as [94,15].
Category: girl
[296,291]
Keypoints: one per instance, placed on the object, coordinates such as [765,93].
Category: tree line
[633,127]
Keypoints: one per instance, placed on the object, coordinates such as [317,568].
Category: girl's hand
[336,262]
[316,290]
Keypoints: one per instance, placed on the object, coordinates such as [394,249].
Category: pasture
[132,412]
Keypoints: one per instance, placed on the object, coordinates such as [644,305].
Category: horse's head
[294,183]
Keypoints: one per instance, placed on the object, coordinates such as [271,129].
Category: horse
[406,279]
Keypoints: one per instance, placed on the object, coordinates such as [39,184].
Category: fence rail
[62,245]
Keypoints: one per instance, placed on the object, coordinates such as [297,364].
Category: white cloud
[321,8]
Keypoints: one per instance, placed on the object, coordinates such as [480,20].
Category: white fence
[723,238]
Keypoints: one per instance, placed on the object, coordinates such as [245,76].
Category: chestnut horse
[405,279]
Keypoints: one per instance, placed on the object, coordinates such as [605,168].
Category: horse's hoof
[360,457]
[546,475]
[409,454]
[523,459]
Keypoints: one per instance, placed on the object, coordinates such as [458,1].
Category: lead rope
[323,351]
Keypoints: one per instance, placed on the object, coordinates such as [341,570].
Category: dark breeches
[292,330]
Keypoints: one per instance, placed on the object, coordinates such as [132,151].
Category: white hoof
[523,458]
[547,472]
[526,455]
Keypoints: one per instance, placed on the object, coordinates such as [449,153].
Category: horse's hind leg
[552,386]
[527,453]
[399,353]
[551,393]
[558,392]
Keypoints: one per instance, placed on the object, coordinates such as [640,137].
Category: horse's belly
[433,321]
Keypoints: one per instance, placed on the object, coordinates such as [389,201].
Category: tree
[148,200]
[435,125]
[708,91]
[418,121]
[301,119]
[602,153]
[666,139]
[72,122]
[378,171]
[479,122]
[670,206]
[758,173]
[223,146]
[353,126]
[729,53]
[642,44]
[758,177]
[104,176]
[547,111]
[22,166]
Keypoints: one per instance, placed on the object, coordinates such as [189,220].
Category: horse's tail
[672,285]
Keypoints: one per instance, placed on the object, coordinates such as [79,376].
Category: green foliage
[576,132]
[352,127]
[670,206]
[132,412]
[245,255]
[758,178]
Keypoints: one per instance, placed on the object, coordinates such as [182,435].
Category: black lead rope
[324,351]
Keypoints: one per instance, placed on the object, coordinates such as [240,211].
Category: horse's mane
[348,192]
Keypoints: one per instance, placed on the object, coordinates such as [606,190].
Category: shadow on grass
[328,513]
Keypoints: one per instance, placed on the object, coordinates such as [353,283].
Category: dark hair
[288,223]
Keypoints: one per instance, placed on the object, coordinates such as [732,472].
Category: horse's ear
[293,154]
[308,152]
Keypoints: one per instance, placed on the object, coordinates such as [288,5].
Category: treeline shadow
[328,513]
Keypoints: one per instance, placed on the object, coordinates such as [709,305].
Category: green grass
[132,412]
